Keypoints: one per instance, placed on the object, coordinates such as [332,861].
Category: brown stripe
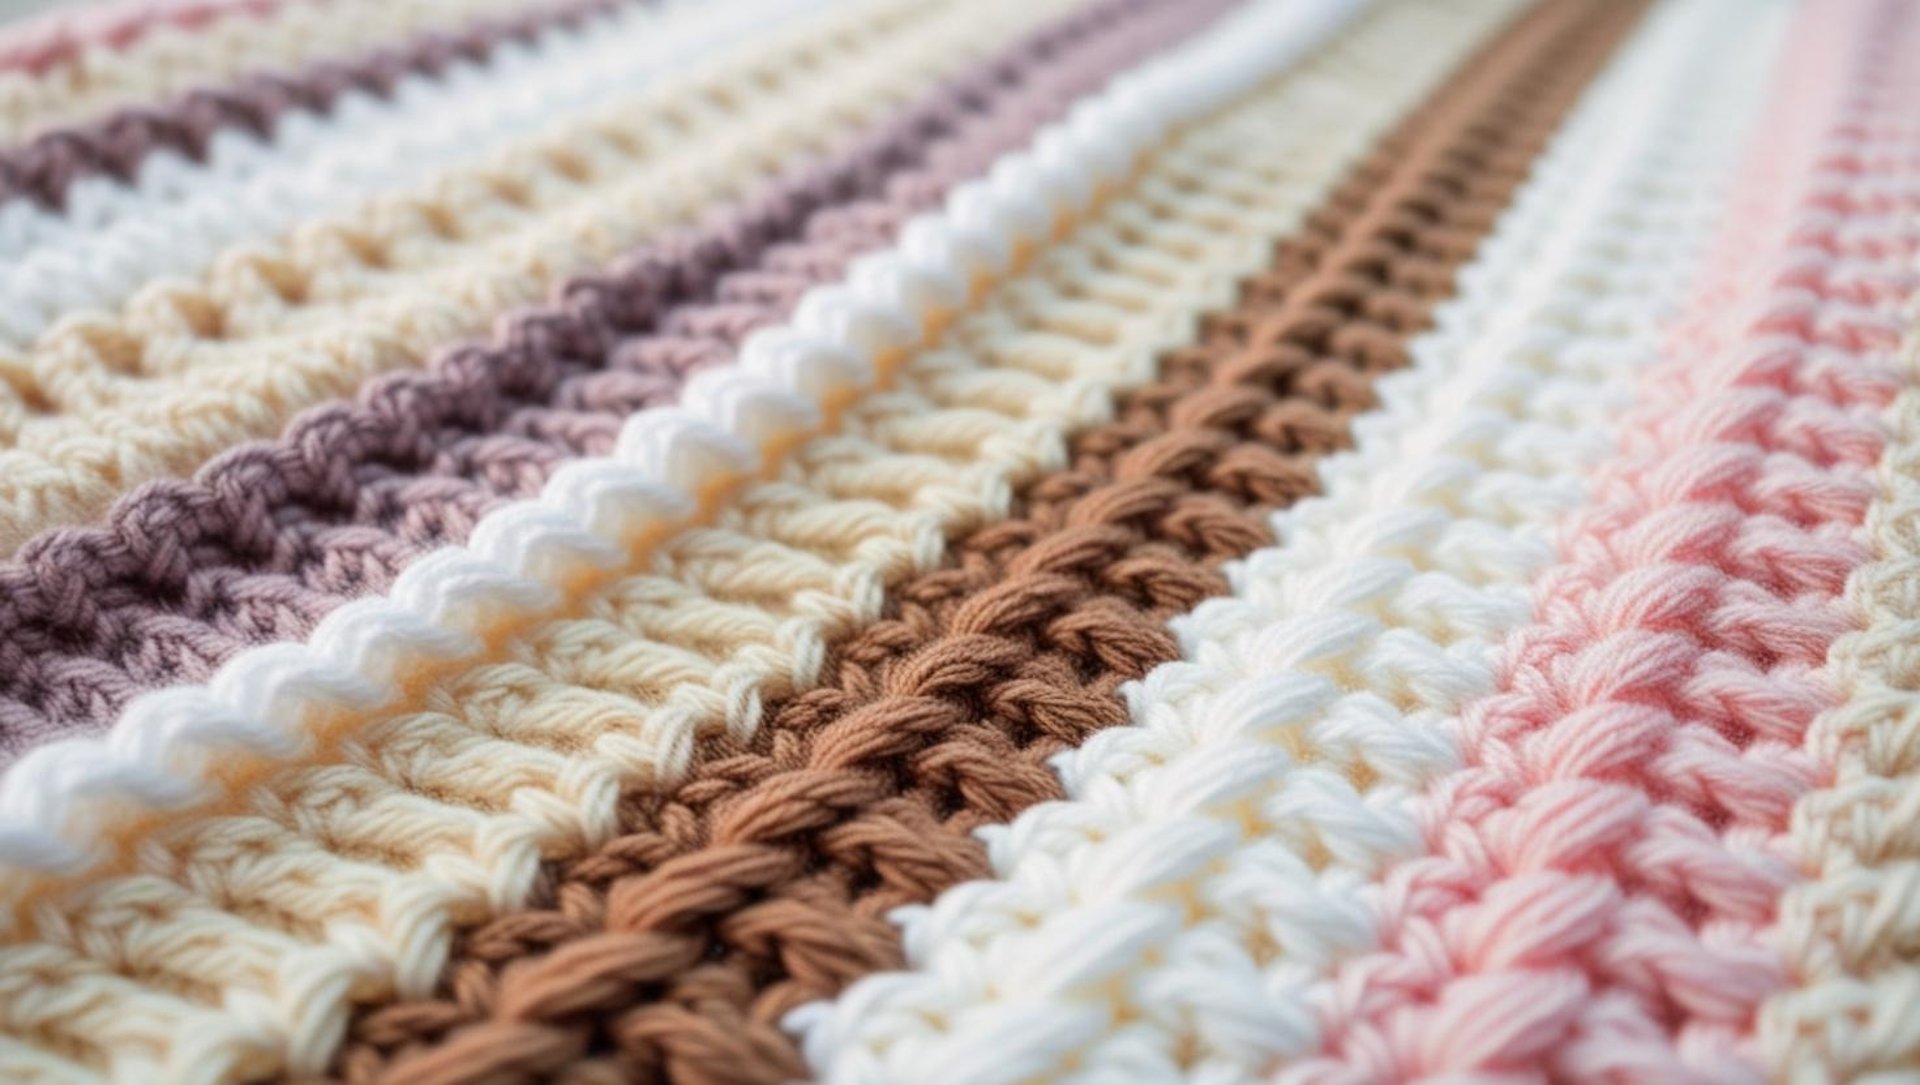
[762,881]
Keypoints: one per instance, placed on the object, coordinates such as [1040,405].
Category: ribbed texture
[347,300]
[39,45]
[971,543]
[852,512]
[1848,928]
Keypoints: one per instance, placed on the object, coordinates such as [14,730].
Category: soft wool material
[993,542]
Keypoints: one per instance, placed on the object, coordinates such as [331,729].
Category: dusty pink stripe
[1603,866]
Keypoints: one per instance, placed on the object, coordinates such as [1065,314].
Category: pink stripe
[37,45]
[1603,868]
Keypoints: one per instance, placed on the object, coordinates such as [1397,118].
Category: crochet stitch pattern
[975,542]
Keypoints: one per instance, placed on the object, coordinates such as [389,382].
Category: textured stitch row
[347,194]
[40,45]
[116,239]
[600,514]
[1848,929]
[172,58]
[185,126]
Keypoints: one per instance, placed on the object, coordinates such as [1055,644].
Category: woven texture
[973,542]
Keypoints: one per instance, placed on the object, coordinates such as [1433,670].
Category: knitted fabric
[965,542]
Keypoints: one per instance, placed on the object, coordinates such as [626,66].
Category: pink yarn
[1602,870]
[37,45]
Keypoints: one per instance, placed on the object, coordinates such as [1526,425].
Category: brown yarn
[761,882]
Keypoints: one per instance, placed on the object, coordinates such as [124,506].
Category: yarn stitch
[166,56]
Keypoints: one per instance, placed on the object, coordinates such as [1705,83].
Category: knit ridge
[832,581]
[218,41]
[1235,829]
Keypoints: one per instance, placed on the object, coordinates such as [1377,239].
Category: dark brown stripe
[762,881]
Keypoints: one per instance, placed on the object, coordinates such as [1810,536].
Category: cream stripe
[527,560]
[367,155]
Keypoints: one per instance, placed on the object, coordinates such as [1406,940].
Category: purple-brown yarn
[46,167]
[273,535]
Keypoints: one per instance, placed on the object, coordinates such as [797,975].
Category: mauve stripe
[273,535]
[115,145]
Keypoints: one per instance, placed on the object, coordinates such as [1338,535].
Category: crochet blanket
[968,542]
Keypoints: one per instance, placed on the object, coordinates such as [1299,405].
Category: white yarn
[54,801]
[180,215]
[1171,918]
